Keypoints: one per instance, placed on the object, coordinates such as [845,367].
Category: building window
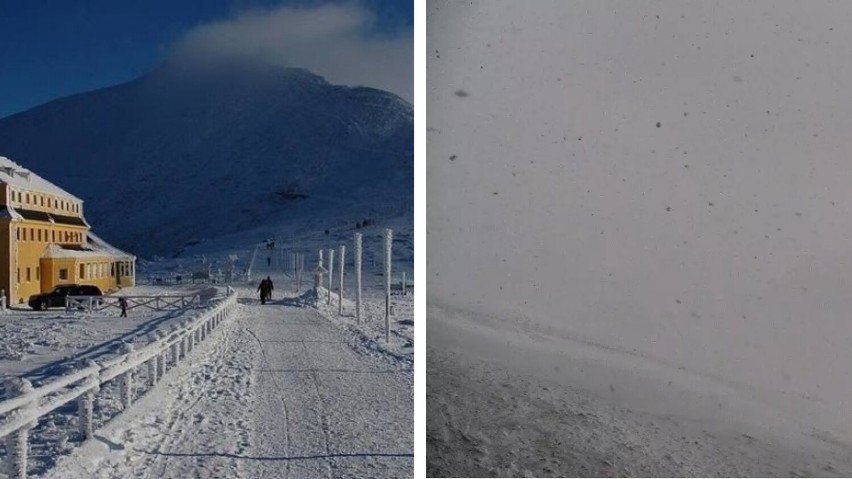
[63,274]
[28,274]
[39,234]
[112,270]
[82,271]
[38,273]
[19,275]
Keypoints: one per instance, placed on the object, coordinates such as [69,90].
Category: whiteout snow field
[659,194]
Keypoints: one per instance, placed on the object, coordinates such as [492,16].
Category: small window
[28,274]
[39,234]
[63,274]
[28,198]
[38,273]
[82,271]
[19,275]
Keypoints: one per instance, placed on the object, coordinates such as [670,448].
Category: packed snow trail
[278,391]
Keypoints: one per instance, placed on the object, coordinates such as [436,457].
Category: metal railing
[26,404]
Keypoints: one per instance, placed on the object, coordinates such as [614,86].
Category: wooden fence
[26,404]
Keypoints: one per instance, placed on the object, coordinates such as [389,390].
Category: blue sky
[51,49]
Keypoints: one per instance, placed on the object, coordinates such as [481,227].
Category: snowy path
[277,392]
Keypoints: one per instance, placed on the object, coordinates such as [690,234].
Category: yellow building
[45,240]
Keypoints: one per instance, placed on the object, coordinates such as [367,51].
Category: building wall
[126,273]
[32,239]
[5,259]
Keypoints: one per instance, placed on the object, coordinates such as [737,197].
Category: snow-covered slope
[667,182]
[191,152]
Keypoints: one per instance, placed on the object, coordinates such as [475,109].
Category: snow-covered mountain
[190,152]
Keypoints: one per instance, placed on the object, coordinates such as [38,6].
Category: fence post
[388,248]
[330,273]
[190,337]
[174,348]
[126,379]
[403,284]
[85,405]
[182,347]
[340,289]
[17,443]
[358,277]
[2,300]
[161,357]
[152,363]
[301,260]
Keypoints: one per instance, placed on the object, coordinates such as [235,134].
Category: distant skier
[122,302]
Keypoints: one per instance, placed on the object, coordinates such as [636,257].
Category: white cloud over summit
[333,41]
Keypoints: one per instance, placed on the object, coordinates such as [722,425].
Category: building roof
[48,217]
[97,248]
[98,244]
[59,251]
[16,175]
[18,213]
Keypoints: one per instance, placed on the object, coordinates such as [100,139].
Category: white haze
[333,41]
[718,242]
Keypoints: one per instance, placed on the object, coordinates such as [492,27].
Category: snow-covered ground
[645,204]
[281,390]
[42,343]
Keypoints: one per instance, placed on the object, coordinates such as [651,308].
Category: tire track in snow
[322,401]
[283,403]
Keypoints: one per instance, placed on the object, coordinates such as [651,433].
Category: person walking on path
[269,287]
[264,291]
[122,301]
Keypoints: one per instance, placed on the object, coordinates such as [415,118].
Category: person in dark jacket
[269,287]
[263,291]
[123,303]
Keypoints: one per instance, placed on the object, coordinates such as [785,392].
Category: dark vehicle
[56,298]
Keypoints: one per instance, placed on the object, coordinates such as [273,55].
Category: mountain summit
[201,150]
